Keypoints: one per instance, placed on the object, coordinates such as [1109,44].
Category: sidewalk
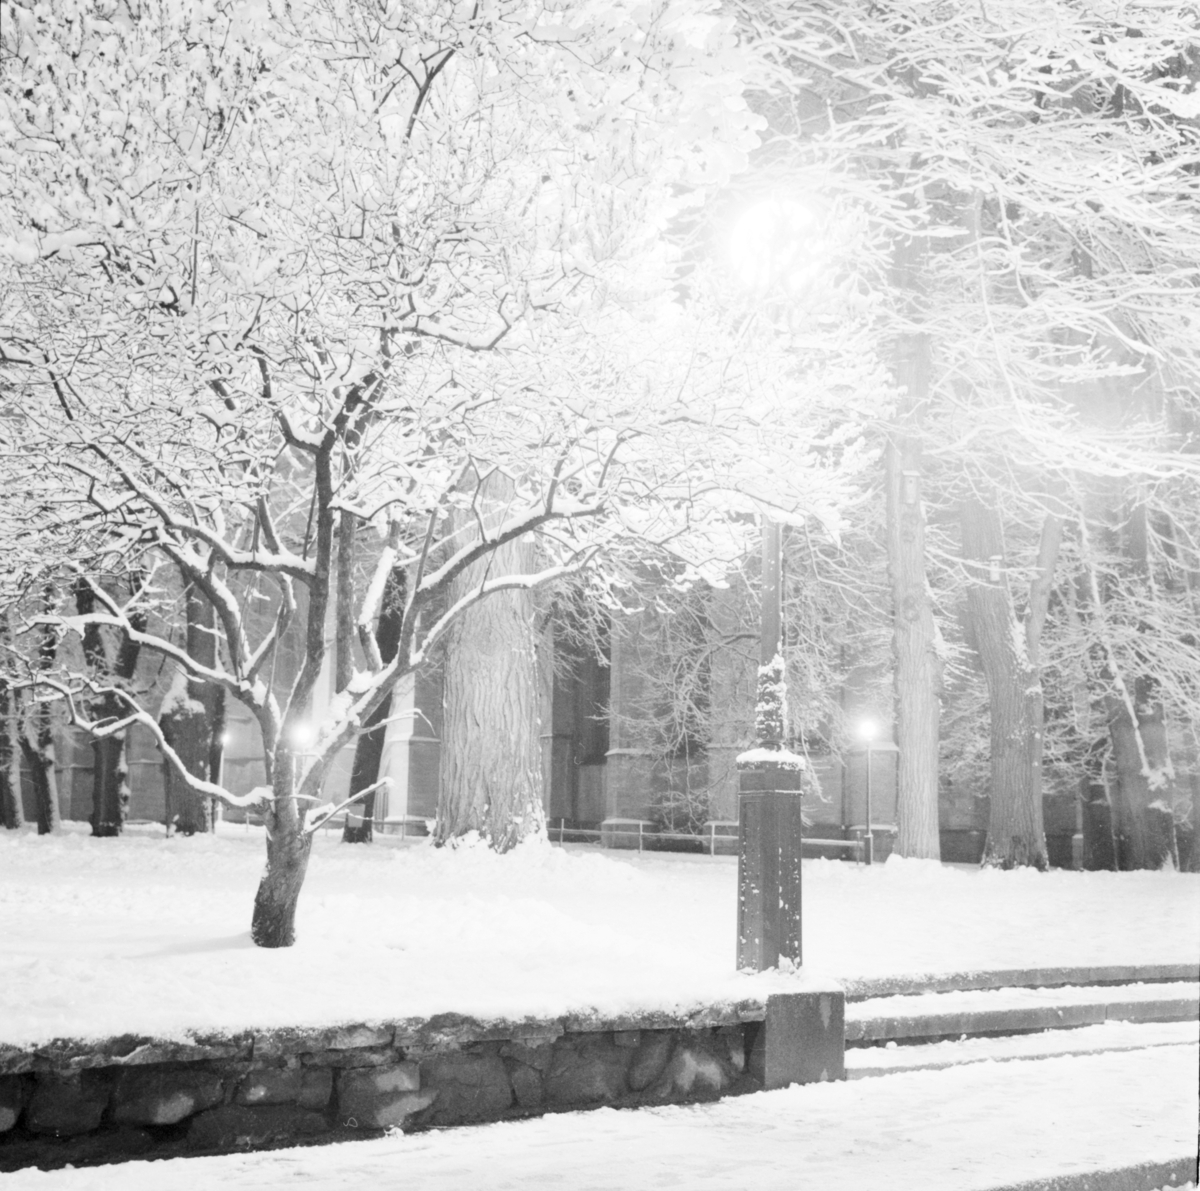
[968,1128]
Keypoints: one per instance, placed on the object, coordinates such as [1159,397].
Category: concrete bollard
[801,1040]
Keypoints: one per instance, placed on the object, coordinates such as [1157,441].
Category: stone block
[469,1087]
[316,1088]
[147,1096]
[452,1031]
[536,1055]
[241,1127]
[14,1060]
[12,1100]
[629,1038]
[380,1097]
[379,1056]
[699,1066]
[801,1039]
[587,1071]
[135,1050]
[733,1038]
[66,1104]
[288,1041]
[271,1085]
[526,1084]
[651,1058]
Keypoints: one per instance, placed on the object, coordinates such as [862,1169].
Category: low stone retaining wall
[130,1097]
[81,1103]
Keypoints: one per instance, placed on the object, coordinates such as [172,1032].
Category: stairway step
[1013,1010]
[864,1062]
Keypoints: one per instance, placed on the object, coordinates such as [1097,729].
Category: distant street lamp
[868,729]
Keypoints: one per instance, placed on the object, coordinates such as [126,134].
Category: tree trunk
[1099,842]
[1143,820]
[12,812]
[368,749]
[37,735]
[918,673]
[1016,835]
[491,776]
[273,923]
[343,659]
[191,719]
[110,763]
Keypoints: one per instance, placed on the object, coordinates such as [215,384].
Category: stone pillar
[559,773]
[412,751]
[628,776]
[769,835]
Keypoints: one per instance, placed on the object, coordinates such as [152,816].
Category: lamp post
[769,245]
[867,731]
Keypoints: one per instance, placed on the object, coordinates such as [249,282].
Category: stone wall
[136,1097]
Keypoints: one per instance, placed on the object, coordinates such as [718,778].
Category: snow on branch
[100,729]
[317,816]
[510,530]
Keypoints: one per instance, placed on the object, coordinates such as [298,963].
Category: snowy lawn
[964,1129]
[147,935]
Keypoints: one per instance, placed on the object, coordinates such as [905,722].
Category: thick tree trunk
[491,776]
[110,762]
[343,660]
[273,923]
[1146,792]
[191,719]
[110,755]
[37,746]
[37,736]
[915,640]
[1016,834]
[918,673]
[368,749]
[1099,842]
[1143,820]
[12,812]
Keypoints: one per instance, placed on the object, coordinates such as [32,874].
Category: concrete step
[1015,1010]
[864,1062]
[861,988]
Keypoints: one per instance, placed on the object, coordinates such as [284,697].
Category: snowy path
[963,1129]
[150,936]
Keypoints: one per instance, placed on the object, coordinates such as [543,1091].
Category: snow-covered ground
[964,1129]
[148,935]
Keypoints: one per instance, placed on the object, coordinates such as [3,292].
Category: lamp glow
[772,242]
[302,734]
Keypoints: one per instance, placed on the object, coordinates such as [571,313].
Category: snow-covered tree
[1034,170]
[277,270]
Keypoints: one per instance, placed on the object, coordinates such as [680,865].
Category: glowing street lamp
[867,731]
[302,736]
